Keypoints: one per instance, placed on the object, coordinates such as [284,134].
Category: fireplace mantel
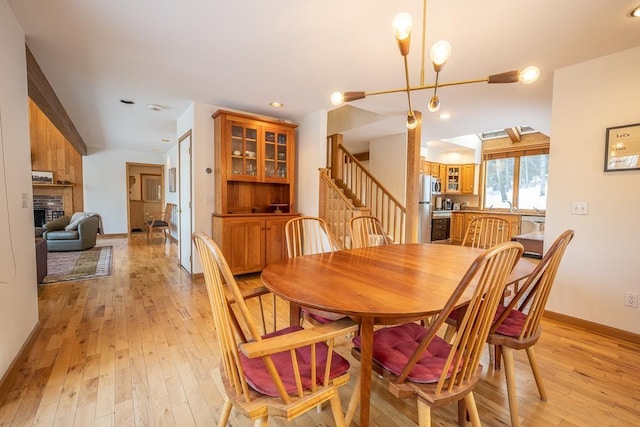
[64,190]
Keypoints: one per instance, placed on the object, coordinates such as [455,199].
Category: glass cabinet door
[244,150]
[275,155]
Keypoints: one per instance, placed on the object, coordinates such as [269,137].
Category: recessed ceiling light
[636,12]
[157,150]
[127,101]
[165,141]
[276,104]
[154,107]
[444,116]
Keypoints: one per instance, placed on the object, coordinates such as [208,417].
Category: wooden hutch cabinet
[255,189]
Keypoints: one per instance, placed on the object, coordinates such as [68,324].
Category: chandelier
[439,55]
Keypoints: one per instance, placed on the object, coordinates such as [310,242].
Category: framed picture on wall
[172,180]
[622,149]
[42,177]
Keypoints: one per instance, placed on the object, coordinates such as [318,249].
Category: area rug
[78,265]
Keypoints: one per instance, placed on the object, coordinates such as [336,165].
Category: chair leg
[336,408]
[497,349]
[536,373]
[260,422]
[424,414]
[509,369]
[226,412]
[472,409]
[448,334]
[353,402]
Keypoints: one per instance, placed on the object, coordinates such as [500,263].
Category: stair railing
[365,190]
[337,209]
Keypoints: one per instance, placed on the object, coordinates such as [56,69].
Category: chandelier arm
[423,87]
[408,89]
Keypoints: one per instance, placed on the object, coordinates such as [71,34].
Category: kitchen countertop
[498,212]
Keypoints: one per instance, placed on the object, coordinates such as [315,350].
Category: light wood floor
[138,348]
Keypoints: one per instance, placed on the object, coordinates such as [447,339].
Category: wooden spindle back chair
[487,231]
[517,325]
[367,231]
[423,366]
[282,374]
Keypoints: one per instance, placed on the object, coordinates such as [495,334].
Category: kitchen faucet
[511,208]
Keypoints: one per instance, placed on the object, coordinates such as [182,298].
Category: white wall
[171,161]
[603,261]
[106,184]
[388,163]
[312,154]
[18,289]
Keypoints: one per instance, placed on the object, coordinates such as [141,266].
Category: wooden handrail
[337,209]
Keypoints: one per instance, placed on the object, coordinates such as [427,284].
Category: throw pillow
[57,224]
[76,219]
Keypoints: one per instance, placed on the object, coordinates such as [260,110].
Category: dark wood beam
[41,92]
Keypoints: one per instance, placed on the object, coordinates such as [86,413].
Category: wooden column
[413,181]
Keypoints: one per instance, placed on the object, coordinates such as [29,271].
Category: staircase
[347,189]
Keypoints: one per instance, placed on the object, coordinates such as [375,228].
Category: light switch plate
[579,208]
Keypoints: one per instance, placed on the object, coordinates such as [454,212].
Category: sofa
[72,233]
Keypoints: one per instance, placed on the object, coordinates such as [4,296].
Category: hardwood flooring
[138,348]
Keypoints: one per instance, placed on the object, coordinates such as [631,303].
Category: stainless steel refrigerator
[424,208]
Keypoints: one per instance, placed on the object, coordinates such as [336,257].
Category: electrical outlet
[579,208]
[631,299]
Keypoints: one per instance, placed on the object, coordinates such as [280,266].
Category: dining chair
[367,231]
[282,374]
[308,235]
[487,231]
[417,364]
[517,325]
[159,221]
[482,232]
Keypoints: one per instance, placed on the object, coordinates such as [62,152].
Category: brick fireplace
[47,208]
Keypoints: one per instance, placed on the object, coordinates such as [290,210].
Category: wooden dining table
[388,284]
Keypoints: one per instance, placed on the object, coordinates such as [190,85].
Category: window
[516,177]
[151,188]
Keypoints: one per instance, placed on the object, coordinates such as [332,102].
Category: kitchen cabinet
[453,179]
[460,179]
[467,176]
[251,242]
[442,174]
[435,170]
[458,227]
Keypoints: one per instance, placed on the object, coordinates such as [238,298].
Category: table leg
[366,355]
[294,314]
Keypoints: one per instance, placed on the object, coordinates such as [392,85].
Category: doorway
[184,202]
[146,193]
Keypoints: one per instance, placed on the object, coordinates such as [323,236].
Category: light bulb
[412,123]
[440,53]
[434,104]
[401,25]
[529,74]
[337,98]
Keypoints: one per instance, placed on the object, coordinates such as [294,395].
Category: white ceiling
[244,54]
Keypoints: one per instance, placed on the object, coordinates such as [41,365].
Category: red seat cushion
[512,325]
[260,380]
[392,348]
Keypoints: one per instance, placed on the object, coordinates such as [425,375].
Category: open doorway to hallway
[146,193]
